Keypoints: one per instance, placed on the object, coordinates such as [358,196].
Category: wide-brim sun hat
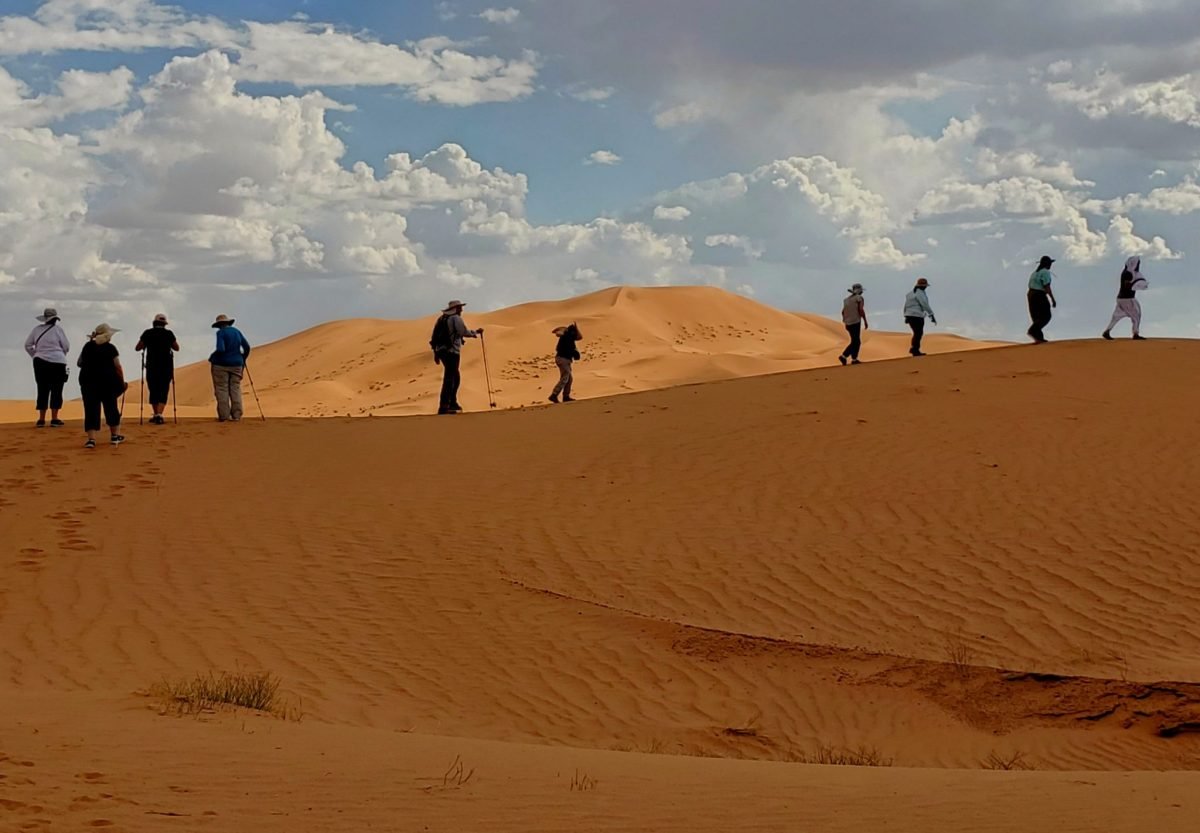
[161,318]
[856,288]
[222,319]
[453,305]
[49,314]
[103,333]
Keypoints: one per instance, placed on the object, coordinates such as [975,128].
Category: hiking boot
[855,361]
[916,353]
[842,359]
[568,399]
[554,398]
[90,444]
[117,439]
[57,423]
[1139,338]
[1106,335]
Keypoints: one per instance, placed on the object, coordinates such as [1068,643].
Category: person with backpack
[1128,305]
[160,345]
[228,362]
[916,309]
[48,346]
[565,356]
[102,383]
[1041,300]
[854,316]
[449,332]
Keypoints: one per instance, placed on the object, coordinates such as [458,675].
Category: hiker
[565,355]
[48,346]
[102,382]
[916,308]
[1128,305]
[447,343]
[228,365]
[160,346]
[1041,300]
[854,316]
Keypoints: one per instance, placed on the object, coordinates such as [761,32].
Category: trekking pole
[174,407]
[255,392]
[141,388]
[487,374]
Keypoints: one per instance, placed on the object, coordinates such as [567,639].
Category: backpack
[441,340]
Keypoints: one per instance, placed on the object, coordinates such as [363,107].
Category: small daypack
[441,340]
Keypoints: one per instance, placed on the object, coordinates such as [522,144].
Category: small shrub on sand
[582,782]
[829,755]
[209,692]
[1014,761]
[959,654]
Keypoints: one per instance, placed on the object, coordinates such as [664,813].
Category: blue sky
[201,156]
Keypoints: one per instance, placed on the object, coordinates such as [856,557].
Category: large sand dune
[636,339]
[988,553]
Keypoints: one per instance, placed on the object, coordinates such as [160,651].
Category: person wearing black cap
[160,345]
[1041,300]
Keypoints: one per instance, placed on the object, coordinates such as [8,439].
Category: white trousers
[1127,308]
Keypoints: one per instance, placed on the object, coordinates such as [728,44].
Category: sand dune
[974,554]
[637,339]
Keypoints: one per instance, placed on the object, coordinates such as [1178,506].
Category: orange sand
[990,552]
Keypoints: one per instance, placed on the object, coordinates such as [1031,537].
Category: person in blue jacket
[228,364]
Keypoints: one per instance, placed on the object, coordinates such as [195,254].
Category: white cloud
[78,92]
[1107,94]
[675,213]
[590,93]
[500,16]
[603,157]
[680,114]
[746,246]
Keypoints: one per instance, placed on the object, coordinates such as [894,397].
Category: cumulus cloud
[500,16]
[671,213]
[77,92]
[680,114]
[591,94]
[602,157]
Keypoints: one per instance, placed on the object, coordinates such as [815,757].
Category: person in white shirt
[916,308]
[48,346]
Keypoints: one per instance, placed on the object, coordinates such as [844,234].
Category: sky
[288,163]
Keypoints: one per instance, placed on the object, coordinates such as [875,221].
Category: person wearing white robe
[1127,302]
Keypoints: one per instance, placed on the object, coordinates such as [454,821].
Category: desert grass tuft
[1014,761]
[829,755]
[959,654]
[582,782]
[210,692]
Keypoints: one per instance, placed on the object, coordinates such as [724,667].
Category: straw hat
[103,333]
[453,305]
[222,319]
[50,314]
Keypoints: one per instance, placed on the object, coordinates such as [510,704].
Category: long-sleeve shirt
[49,343]
[232,348]
[916,305]
[458,332]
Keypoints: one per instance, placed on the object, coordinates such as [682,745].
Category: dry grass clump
[1014,761]
[830,755]
[959,654]
[210,692]
[582,782]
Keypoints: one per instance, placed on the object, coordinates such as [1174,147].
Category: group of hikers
[1040,298]
[102,381]
[103,386]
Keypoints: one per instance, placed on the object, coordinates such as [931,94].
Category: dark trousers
[1039,313]
[158,384]
[95,400]
[855,331]
[451,379]
[917,323]
[50,378]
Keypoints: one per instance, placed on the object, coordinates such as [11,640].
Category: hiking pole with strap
[174,407]
[250,378]
[487,374]
[142,388]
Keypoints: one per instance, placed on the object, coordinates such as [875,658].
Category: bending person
[48,346]
[228,362]
[565,356]
[1128,305]
[102,382]
[160,346]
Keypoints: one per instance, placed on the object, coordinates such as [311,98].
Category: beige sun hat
[222,319]
[103,333]
[49,314]
[453,305]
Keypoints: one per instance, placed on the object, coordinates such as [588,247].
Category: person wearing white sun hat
[228,362]
[48,346]
[101,381]
[447,342]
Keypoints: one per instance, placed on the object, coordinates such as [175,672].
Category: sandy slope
[637,339]
[749,569]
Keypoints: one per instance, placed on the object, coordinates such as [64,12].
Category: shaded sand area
[636,339]
[947,564]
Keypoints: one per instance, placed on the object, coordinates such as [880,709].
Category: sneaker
[1106,335]
[117,439]
[554,398]
[90,444]
[856,361]
[568,399]
[916,353]
[842,359]
[57,423]
[1139,338]
[41,423]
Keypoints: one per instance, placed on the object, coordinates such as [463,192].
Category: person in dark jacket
[1128,305]
[160,346]
[102,382]
[447,342]
[228,365]
[565,356]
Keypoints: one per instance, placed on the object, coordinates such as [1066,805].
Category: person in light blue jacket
[916,309]
[228,364]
